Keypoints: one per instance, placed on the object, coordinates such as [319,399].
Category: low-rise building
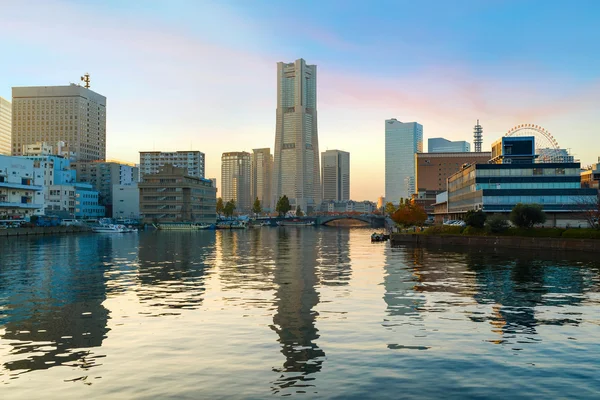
[78,199]
[171,195]
[349,206]
[590,177]
[126,201]
[21,188]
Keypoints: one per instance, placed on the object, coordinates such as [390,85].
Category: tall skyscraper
[5,126]
[192,161]
[441,145]
[262,177]
[235,179]
[296,171]
[402,141]
[71,114]
[335,166]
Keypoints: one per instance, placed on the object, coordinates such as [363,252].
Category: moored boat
[111,228]
[295,222]
[232,225]
[183,226]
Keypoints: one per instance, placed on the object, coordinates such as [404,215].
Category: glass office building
[402,141]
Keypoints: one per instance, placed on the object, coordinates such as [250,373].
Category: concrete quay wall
[530,243]
[55,230]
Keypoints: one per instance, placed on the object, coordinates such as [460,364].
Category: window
[538,171]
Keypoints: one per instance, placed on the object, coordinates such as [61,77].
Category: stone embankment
[54,230]
[481,242]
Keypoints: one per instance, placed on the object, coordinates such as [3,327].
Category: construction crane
[86,79]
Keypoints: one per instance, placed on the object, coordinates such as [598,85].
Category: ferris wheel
[546,147]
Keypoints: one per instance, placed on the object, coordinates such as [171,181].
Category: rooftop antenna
[86,80]
[478,137]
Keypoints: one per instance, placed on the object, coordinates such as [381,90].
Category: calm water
[303,312]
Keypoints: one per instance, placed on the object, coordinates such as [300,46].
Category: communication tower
[86,80]
[478,137]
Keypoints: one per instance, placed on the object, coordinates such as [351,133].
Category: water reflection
[172,269]
[52,305]
[296,296]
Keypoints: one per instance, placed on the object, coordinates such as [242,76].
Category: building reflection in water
[334,257]
[517,286]
[296,296]
[173,267]
[402,277]
[51,306]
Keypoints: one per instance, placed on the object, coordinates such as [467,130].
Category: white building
[126,201]
[349,206]
[262,177]
[335,167]
[296,171]
[71,114]
[5,126]
[402,141]
[235,179]
[192,161]
[21,188]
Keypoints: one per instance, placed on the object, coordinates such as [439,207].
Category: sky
[201,75]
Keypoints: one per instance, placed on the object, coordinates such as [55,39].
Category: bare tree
[590,210]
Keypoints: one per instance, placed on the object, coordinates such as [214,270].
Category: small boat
[183,226]
[379,237]
[295,222]
[232,225]
[111,228]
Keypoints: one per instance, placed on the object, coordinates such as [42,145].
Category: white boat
[182,226]
[232,225]
[111,228]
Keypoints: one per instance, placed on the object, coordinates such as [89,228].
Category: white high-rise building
[262,177]
[296,171]
[335,167]
[402,141]
[5,126]
[235,179]
[192,161]
[71,114]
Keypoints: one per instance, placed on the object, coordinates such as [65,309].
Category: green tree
[299,212]
[256,207]
[527,215]
[476,219]
[389,208]
[497,223]
[229,208]
[283,205]
[220,206]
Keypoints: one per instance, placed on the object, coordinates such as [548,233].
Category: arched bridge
[371,219]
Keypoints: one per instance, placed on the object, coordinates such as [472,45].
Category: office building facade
[434,169]
[5,127]
[70,114]
[262,177]
[335,175]
[170,195]
[78,199]
[402,141]
[441,145]
[126,201]
[236,179]
[192,161]
[296,171]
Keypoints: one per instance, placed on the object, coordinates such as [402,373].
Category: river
[301,312]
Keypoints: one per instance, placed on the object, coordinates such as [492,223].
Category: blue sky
[201,74]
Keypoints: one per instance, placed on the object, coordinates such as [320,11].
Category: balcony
[9,185]
[29,206]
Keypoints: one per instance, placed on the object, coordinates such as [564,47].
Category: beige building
[262,177]
[173,196]
[434,169]
[5,126]
[71,114]
[296,171]
[236,179]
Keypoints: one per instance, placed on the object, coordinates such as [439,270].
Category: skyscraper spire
[478,137]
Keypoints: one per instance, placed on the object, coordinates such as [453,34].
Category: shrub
[473,231]
[527,215]
[497,224]
[476,219]
[443,230]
